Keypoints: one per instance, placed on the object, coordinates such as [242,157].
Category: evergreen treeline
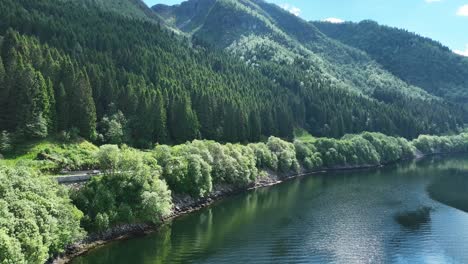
[68,67]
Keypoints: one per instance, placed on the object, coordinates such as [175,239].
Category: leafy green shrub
[362,152]
[194,167]
[186,168]
[441,144]
[286,154]
[129,191]
[308,155]
[37,218]
[265,159]
[332,151]
[390,149]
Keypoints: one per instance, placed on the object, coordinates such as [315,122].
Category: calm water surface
[378,216]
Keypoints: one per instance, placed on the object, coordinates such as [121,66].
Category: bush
[285,153]
[113,129]
[265,159]
[308,155]
[390,149]
[37,218]
[193,168]
[129,191]
[441,144]
[186,168]
[332,152]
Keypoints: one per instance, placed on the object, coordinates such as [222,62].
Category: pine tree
[184,122]
[160,119]
[5,142]
[62,106]
[9,48]
[254,127]
[3,96]
[33,104]
[82,108]
[51,111]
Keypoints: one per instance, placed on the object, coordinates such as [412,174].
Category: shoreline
[184,205]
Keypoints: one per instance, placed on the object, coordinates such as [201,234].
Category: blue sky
[443,20]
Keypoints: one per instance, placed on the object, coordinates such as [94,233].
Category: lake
[372,216]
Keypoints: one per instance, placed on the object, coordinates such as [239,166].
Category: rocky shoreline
[183,204]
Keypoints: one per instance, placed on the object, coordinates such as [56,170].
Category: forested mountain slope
[136,9]
[77,67]
[417,60]
[280,44]
[256,31]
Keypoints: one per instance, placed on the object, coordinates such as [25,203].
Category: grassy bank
[51,156]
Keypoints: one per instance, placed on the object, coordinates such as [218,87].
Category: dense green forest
[111,78]
[265,36]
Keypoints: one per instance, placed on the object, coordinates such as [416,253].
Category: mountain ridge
[418,60]
[228,23]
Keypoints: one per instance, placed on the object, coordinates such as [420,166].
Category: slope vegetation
[417,60]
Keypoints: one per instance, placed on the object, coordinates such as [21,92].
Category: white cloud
[463,53]
[291,9]
[334,20]
[463,11]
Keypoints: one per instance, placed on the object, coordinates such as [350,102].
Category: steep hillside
[136,9]
[417,60]
[256,30]
[77,68]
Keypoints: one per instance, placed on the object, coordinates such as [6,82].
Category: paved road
[76,176]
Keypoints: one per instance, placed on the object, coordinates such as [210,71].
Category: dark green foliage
[184,122]
[129,191]
[37,218]
[98,63]
[5,142]
[451,192]
[142,70]
[113,129]
[82,108]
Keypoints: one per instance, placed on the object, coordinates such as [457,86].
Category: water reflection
[414,219]
[379,216]
[451,190]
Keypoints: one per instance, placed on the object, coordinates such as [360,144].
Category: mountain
[104,70]
[256,30]
[265,36]
[135,9]
[419,61]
